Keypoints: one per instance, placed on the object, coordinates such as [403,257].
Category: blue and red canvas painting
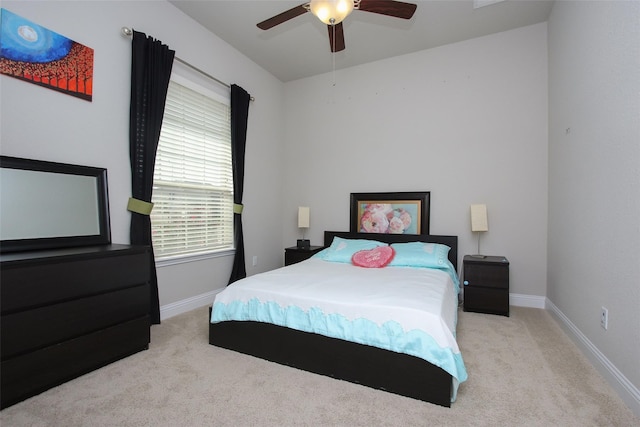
[37,55]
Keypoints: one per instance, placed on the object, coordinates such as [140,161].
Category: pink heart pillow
[373,258]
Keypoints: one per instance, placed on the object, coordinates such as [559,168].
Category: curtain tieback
[237,208]
[139,206]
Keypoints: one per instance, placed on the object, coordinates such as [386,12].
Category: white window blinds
[193,180]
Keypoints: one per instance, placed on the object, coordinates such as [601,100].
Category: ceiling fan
[332,12]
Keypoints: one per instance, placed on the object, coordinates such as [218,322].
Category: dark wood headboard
[451,241]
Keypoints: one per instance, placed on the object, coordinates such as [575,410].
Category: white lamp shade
[303,217]
[479,220]
[331,12]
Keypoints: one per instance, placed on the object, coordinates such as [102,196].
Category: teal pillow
[420,254]
[342,250]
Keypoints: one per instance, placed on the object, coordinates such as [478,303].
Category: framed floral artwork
[390,213]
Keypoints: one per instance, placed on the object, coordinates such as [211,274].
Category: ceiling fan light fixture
[331,12]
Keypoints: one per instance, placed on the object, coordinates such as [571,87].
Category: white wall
[594,178]
[466,121]
[43,124]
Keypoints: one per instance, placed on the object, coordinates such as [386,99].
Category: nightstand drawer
[486,300]
[487,276]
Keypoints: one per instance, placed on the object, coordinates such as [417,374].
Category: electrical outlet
[604,318]
[255,260]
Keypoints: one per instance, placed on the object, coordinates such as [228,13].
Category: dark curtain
[151,64]
[239,115]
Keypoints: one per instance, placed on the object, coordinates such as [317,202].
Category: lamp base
[478,256]
[304,244]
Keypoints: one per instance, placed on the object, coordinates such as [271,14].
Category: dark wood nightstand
[295,254]
[486,284]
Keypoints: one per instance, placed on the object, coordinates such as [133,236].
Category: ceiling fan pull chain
[333,54]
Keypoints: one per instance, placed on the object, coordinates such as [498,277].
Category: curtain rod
[127,32]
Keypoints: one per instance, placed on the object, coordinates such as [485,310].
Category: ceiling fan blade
[339,37]
[283,17]
[396,9]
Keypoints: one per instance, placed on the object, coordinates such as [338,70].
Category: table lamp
[479,223]
[303,223]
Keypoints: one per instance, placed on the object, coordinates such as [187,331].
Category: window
[193,179]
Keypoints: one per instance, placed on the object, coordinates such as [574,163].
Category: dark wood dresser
[486,284]
[66,312]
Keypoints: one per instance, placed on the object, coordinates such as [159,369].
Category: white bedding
[402,309]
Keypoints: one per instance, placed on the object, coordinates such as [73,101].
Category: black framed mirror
[48,205]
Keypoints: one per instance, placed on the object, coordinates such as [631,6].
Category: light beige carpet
[523,371]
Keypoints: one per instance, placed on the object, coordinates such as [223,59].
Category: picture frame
[390,213]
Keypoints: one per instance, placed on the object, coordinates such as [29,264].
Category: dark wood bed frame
[362,364]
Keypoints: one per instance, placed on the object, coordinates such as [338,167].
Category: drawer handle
[466,282]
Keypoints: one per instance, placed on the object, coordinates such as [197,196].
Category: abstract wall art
[34,54]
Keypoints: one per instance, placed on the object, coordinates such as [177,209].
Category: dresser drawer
[42,369]
[34,284]
[59,322]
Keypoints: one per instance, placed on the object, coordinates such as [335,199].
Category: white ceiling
[300,47]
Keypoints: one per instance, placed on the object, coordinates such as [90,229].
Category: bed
[400,363]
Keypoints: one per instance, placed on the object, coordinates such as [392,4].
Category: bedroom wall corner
[594,180]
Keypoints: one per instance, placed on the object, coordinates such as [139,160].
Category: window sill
[181,259]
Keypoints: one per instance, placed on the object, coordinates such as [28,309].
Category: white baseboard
[185,305]
[625,389]
[531,301]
